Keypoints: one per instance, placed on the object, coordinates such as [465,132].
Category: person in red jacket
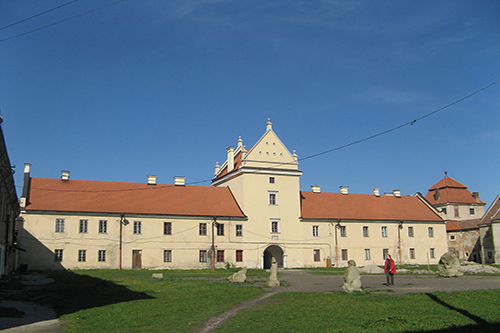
[389,269]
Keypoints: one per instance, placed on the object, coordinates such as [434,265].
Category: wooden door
[136,259]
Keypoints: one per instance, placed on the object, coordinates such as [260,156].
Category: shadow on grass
[73,292]
[480,326]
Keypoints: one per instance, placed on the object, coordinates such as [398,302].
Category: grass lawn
[132,301]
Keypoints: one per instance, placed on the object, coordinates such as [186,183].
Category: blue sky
[164,87]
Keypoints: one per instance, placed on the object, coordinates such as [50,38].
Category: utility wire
[36,15]
[61,21]
[375,135]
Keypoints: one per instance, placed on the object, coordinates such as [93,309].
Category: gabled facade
[254,211]
[462,211]
[489,227]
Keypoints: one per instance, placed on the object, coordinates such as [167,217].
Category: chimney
[397,193]
[269,124]
[316,188]
[436,194]
[180,181]
[230,159]
[217,168]
[65,175]
[475,195]
[26,185]
[376,192]
[151,180]
[344,189]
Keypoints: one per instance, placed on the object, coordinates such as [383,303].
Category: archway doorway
[270,252]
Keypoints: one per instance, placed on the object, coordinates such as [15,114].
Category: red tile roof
[453,225]
[493,212]
[448,190]
[237,163]
[130,198]
[365,207]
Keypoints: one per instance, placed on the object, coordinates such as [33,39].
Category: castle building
[253,211]
[462,210]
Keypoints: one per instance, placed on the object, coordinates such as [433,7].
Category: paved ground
[42,319]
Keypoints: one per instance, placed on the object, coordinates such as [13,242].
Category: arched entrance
[270,252]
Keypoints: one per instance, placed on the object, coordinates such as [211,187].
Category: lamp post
[400,227]
[337,226]
[123,221]
[214,224]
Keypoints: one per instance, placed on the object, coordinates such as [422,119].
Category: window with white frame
[220,229]
[315,230]
[84,225]
[472,211]
[203,229]
[365,231]
[275,226]
[273,198]
[367,254]
[239,255]
[385,252]
[137,227]
[59,225]
[432,253]
[412,253]
[343,231]
[384,231]
[272,180]
[82,255]
[410,232]
[239,230]
[103,227]
[167,255]
[167,228]
[58,254]
[203,256]
[344,254]
[452,237]
[101,255]
[431,231]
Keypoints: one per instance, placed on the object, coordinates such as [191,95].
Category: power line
[374,135]
[36,15]
[61,21]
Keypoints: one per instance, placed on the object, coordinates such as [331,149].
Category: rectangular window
[384,231]
[385,252]
[59,225]
[203,229]
[365,232]
[239,255]
[84,224]
[472,211]
[220,255]
[410,232]
[273,198]
[431,231]
[275,226]
[343,231]
[431,253]
[272,180]
[82,255]
[490,254]
[412,253]
[452,237]
[367,254]
[239,230]
[167,228]
[316,255]
[203,256]
[103,227]
[457,211]
[167,255]
[101,256]
[220,229]
[344,254]
[137,227]
[58,255]
[315,230]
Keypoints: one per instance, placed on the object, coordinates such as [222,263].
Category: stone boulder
[449,265]
[239,277]
[352,279]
